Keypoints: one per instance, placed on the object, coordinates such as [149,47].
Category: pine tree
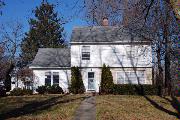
[46,31]
[106,80]
[77,85]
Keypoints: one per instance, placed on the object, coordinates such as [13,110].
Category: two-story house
[129,57]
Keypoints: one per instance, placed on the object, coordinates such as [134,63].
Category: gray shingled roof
[52,57]
[98,34]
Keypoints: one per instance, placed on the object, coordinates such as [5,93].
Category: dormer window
[85,52]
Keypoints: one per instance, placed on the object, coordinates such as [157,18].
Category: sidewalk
[87,110]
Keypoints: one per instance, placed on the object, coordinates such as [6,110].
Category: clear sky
[21,10]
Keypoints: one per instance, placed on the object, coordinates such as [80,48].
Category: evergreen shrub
[77,85]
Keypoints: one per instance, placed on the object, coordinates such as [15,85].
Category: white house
[128,56]
[51,66]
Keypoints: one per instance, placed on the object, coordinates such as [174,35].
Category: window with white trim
[130,77]
[56,78]
[130,50]
[141,77]
[48,78]
[120,77]
[85,52]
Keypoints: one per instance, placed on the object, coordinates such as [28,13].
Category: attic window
[85,52]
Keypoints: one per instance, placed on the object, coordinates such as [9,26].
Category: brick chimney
[105,22]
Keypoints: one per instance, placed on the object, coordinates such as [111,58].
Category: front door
[91,85]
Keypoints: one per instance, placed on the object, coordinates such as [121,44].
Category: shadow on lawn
[36,106]
[174,102]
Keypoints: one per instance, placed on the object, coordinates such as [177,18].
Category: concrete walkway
[87,109]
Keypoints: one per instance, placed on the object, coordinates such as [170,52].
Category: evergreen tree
[77,85]
[46,31]
[106,80]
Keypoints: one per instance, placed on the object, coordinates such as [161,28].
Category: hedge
[54,89]
[21,92]
[129,89]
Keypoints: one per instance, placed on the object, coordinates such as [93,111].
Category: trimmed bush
[42,89]
[77,85]
[106,80]
[129,89]
[20,92]
[55,89]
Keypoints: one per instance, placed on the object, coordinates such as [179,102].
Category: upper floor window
[48,78]
[130,50]
[85,52]
[55,78]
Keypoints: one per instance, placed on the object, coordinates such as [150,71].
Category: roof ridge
[80,27]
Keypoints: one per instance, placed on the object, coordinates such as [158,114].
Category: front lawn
[39,107]
[124,107]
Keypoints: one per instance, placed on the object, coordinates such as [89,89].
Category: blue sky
[21,10]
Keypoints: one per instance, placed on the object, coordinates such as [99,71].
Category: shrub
[177,89]
[20,92]
[42,89]
[129,89]
[2,91]
[55,89]
[124,89]
[77,85]
[106,80]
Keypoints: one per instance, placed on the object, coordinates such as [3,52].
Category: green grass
[39,107]
[124,107]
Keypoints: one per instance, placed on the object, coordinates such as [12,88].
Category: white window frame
[131,51]
[118,77]
[125,81]
[93,78]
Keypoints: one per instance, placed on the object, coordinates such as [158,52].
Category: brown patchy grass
[39,107]
[124,107]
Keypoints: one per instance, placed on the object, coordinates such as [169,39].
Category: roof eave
[130,42]
[39,67]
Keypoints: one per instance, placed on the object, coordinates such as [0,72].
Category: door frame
[93,81]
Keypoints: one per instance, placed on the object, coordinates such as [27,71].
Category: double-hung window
[130,51]
[141,77]
[56,78]
[131,77]
[48,78]
[126,77]
[51,76]
[120,77]
[85,52]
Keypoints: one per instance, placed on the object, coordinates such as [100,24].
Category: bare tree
[26,76]
[11,35]
[1,5]
[152,18]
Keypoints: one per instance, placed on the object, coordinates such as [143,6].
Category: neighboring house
[129,57]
